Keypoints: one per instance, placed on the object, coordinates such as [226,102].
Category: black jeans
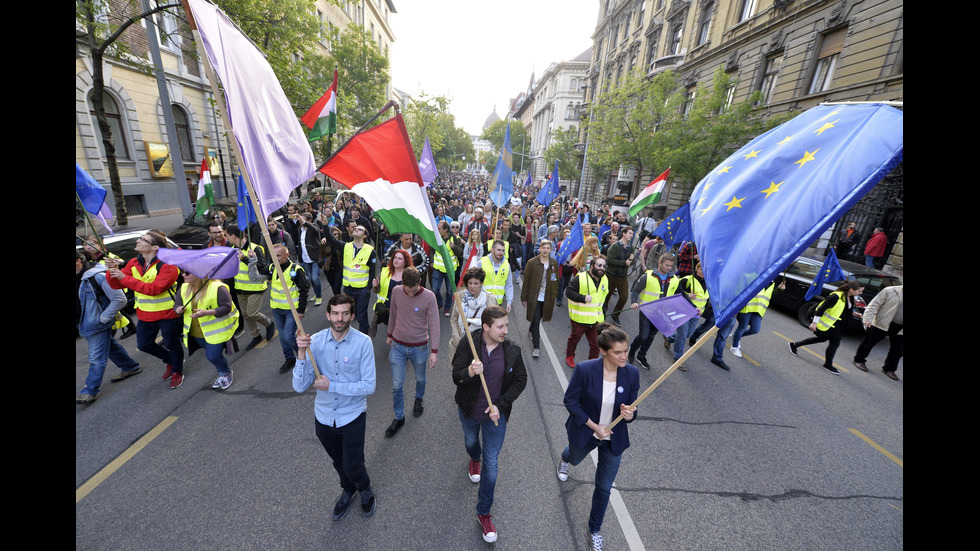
[831,336]
[536,323]
[345,446]
[896,345]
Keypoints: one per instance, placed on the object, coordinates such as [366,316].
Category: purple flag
[274,148]
[427,165]
[212,262]
[667,314]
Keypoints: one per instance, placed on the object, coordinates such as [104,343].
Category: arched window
[114,116]
[183,133]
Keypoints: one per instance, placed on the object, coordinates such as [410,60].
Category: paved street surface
[776,454]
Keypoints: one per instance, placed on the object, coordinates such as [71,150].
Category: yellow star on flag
[807,157]
[773,188]
[722,171]
[826,126]
[735,202]
[705,210]
[785,140]
[753,153]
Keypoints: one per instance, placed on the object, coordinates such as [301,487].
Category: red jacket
[876,245]
[166,276]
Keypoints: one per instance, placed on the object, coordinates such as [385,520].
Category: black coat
[468,388]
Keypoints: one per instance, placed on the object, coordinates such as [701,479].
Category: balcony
[663,63]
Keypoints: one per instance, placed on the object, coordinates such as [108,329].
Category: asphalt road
[779,455]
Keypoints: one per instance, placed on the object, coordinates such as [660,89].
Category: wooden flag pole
[704,338]
[469,337]
[212,78]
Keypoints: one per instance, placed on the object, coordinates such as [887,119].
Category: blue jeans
[215,354]
[287,332]
[680,336]
[748,324]
[102,347]
[438,279]
[361,298]
[605,475]
[869,261]
[493,440]
[313,270]
[399,355]
[171,353]
[719,346]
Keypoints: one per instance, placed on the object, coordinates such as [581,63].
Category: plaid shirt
[685,260]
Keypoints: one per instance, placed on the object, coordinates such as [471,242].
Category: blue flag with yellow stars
[246,214]
[677,227]
[764,205]
[572,243]
[830,271]
[550,190]
[501,184]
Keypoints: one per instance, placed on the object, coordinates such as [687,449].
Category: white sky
[481,54]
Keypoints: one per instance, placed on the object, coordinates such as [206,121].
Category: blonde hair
[591,247]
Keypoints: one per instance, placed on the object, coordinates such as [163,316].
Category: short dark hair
[338,300]
[233,230]
[474,273]
[411,276]
[492,314]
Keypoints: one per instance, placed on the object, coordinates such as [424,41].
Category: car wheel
[805,314]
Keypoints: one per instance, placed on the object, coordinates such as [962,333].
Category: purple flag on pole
[427,165]
[667,314]
[274,148]
[212,262]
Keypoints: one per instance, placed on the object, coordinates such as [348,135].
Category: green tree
[424,119]
[562,148]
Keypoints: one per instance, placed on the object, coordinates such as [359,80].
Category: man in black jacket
[501,363]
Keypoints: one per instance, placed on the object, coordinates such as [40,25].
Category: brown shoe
[860,365]
[890,374]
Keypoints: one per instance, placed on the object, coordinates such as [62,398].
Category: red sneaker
[474,471]
[570,361]
[176,380]
[168,372]
[489,531]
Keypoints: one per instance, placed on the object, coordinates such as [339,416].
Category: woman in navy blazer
[608,380]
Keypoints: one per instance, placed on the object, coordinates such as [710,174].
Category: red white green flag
[205,192]
[650,194]
[379,165]
[321,119]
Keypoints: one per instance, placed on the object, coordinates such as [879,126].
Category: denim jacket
[98,309]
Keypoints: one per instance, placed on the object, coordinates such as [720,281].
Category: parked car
[193,233]
[122,244]
[800,275]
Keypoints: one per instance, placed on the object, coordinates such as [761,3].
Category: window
[688,101]
[675,39]
[639,19]
[729,97]
[570,111]
[748,9]
[626,26]
[114,116]
[705,25]
[166,25]
[183,133]
[651,52]
[828,55]
[768,83]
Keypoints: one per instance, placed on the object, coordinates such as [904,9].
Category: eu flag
[830,271]
[501,186]
[764,205]
[90,193]
[246,214]
[572,243]
[550,190]
[677,227]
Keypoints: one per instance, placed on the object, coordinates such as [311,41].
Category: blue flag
[550,190]
[677,227]
[830,271]
[669,313]
[501,184]
[572,243]
[528,181]
[246,214]
[89,191]
[764,205]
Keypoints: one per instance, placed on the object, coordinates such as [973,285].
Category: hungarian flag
[650,194]
[205,193]
[321,119]
[379,165]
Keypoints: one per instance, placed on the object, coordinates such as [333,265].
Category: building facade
[558,100]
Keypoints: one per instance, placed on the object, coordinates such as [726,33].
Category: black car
[193,233]
[800,275]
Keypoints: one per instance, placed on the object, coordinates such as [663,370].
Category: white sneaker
[736,351]
[596,541]
[225,381]
[535,353]
[563,471]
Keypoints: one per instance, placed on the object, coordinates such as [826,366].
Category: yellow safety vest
[439,264]
[760,303]
[495,281]
[832,315]
[356,267]
[588,313]
[701,294]
[277,297]
[216,329]
[242,282]
[652,290]
[383,286]
[156,303]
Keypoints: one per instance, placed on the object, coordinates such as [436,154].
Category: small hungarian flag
[650,194]
[205,193]
[321,119]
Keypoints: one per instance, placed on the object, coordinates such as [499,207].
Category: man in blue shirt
[345,358]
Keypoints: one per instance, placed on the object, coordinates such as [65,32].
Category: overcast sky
[481,54]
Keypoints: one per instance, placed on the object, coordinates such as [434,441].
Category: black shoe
[721,364]
[255,342]
[632,357]
[393,427]
[417,410]
[832,369]
[615,319]
[792,348]
[644,363]
[340,509]
[367,502]
[691,341]
[128,331]
[270,331]
[287,366]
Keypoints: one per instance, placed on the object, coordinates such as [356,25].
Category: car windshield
[874,284]
[804,270]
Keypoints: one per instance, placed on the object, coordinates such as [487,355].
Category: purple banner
[213,262]
[667,314]
[427,165]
